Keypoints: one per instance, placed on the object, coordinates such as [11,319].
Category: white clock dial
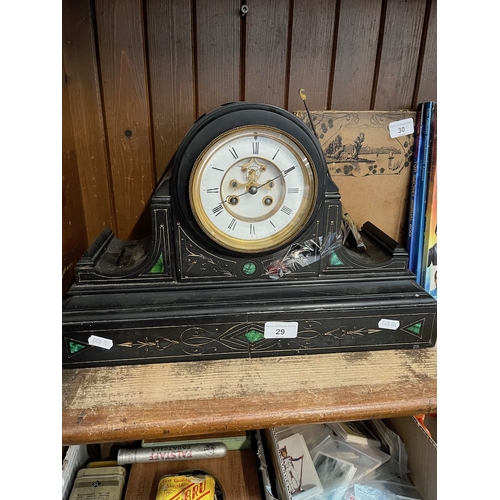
[252,189]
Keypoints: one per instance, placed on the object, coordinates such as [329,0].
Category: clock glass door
[253,189]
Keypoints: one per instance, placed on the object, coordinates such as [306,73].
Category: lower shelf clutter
[390,459]
[236,475]
[351,461]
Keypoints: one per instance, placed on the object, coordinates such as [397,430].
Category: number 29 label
[281,329]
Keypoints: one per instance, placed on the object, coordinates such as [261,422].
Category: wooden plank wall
[137,74]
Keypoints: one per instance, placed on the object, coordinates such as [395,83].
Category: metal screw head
[244,9]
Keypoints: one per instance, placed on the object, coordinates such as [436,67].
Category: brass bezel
[283,236]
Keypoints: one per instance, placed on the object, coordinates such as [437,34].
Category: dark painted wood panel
[356,54]
[266,39]
[84,101]
[218,38]
[311,53]
[126,105]
[170,60]
[400,54]
[427,87]
[74,240]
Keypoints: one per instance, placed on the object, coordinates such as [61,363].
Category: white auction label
[401,127]
[100,342]
[389,324]
[281,329]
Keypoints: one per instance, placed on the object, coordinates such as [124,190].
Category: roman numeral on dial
[218,209]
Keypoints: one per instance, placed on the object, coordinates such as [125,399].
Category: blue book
[429,260]
[411,246]
[421,201]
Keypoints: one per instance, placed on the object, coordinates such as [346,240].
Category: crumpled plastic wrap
[304,254]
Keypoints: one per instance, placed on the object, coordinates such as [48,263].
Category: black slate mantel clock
[246,258]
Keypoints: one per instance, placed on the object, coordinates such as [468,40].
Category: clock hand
[284,173]
[233,199]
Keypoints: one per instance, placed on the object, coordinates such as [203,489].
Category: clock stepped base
[222,323]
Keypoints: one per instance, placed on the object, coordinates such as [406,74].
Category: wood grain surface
[87,122]
[266,52]
[356,54]
[126,107]
[427,82]
[171,72]
[236,473]
[72,206]
[311,53]
[399,56]
[181,399]
[218,53]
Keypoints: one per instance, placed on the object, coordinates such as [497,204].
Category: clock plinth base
[203,323]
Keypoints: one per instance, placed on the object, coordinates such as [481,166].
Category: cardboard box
[422,455]
[420,447]
[371,169]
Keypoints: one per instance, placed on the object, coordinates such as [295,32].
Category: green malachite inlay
[74,347]
[334,260]
[254,336]
[158,267]
[415,328]
[249,268]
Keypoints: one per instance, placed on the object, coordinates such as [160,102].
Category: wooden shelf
[127,403]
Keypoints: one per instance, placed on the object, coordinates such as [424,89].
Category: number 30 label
[401,127]
[281,329]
